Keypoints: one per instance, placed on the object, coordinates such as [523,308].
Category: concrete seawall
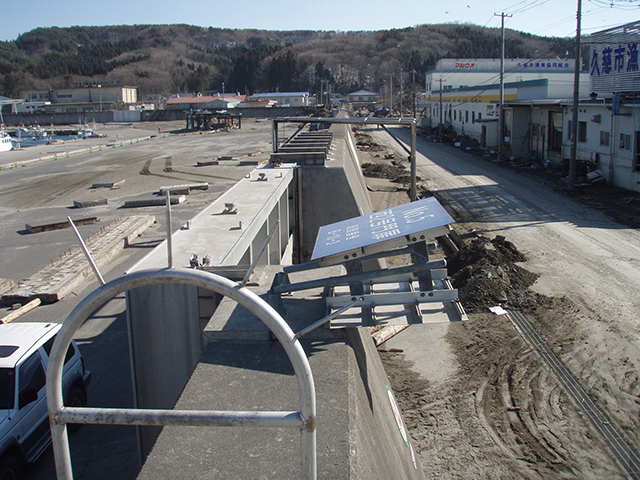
[360,434]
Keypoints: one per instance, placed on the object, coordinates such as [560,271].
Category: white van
[24,420]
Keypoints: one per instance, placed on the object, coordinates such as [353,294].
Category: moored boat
[5,141]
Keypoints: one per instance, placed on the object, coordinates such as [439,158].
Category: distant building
[284,99]
[464,94]
[203,102]
[364,98]
[81,99]
[257,103]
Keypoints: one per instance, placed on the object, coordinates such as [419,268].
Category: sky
[539,17]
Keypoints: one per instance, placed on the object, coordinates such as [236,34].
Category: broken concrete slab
[5,285]
[57,280]
[60,225]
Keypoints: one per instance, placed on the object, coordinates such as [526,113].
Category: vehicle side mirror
[27,396]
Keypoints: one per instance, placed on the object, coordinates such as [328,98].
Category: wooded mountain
[165,59]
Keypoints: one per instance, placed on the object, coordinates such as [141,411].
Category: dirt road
[492,408]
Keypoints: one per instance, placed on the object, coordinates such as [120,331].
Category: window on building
[455,115]
[582,132]
[490,109]
[466,116]
[604,138]
[479,115]
[473,116]
[625,141]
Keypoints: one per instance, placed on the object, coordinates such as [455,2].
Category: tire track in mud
[624,452]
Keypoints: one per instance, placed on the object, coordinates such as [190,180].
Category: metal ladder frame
[59,415]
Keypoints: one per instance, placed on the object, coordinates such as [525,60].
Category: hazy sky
[540,17]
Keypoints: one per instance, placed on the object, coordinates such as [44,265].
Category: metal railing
[59,415]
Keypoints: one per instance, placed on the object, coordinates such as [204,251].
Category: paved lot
[44,191]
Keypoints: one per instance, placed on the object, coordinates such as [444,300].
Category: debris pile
[383,170]
[486,274]
[367,143]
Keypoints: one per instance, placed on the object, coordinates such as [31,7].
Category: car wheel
[75,398]
[10,468]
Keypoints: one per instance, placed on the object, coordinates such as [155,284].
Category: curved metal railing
[59,415]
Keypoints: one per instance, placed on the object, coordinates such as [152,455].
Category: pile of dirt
[389,171]
[366,142]
[486,274]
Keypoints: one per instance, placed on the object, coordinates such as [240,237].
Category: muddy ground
[501,412]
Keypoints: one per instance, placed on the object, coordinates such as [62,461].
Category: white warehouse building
[465,95]
[609,122]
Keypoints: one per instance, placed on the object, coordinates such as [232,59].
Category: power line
[611,4]
[537,3]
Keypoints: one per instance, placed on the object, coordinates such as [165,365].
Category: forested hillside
[165,59]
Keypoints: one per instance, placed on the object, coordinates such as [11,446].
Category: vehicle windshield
[7,388]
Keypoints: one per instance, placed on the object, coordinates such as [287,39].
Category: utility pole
[573,159]
[414,94]
[440,122]
[391,94]
[501,121]
[401,93]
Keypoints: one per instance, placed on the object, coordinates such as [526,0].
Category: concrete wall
[332,193]
[379,449]
[165,344]
[166,321]
[133,116]
[59,118]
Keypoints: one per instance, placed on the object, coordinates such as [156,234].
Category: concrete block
[60,225]
[115,184]
[90,203]
[153,202]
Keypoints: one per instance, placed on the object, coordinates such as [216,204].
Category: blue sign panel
[393,223]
